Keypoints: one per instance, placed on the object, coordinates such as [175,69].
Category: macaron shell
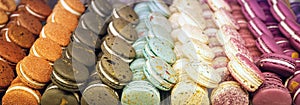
[21,36]
[82,54]
[56,33]
[265,45]
[61,17]
[31,23]
[21,97]
[93,22]
[44,46]
[128,14]
[99,94]
[160,49]
[125,29]
[11,52]
[6,74]
[76,5]
[54,95]
[281,11]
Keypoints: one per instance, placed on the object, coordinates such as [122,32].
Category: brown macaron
[20,36]
[46,49]
[8,5]
[73,6]
[34,72]
[11,53]
[19,94]
[38,9]
[56,33]
[63,18]
[6,75]
[29,22]
[3,19]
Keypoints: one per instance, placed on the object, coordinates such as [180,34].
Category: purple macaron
[282,42]
[251,9]
[280,64]
[272,92]
[267,45]
[281,11]
[288,27]
[293,83]
[258,28]
[295,41]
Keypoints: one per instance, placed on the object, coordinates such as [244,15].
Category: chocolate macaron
[20,36]
[11,53]
[6,75]
[37,8]
[29,22]
[122,29]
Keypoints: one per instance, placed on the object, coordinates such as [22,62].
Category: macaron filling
[68,8]
[35,52]
[115,33]
[263,46]
[290,31]
[53,17]
[278,12]
[107,76]
[115,14]
[94,7]
[29,79]
[56,76]
[275,61]
[34,13]
[115,54]
[24,89]
[6,36]
[248,9]
[43,33]
[259,32]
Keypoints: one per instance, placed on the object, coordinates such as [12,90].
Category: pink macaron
[295,41]
[282,42]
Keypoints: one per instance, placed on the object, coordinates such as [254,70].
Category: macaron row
[35,70]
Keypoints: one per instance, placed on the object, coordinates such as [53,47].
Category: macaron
[30,23]
[54,95]
[258,28]
[113,71]
[161,33]
[42,47]
[280,64]
[229,92]
[267,45]
[192,32]
[189,92]
[281,11]
[20,36]
[125,12]
[282,42]
[81,53]
[100,94]
[195,50]
[288,28]
[245,72]
[86,37]
[61,17]
[291,53]
[56,33]
[140,92]
[156,18]
[69,75]
[223,17]
[159,6]
[122,29]
[93,22]
[34,72]
[72,6]
[118,47]
[292,83]
[203,74]
[160,73]
[38,9]
[252,9]
[100,7]
[216,5]
[7,75]
[272,92]
[3,19]
[11,53]
[139,46]
[225,33]
[294,41]
[220,62]
[157,47]
[8,5]
[19,94]
[234,47]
